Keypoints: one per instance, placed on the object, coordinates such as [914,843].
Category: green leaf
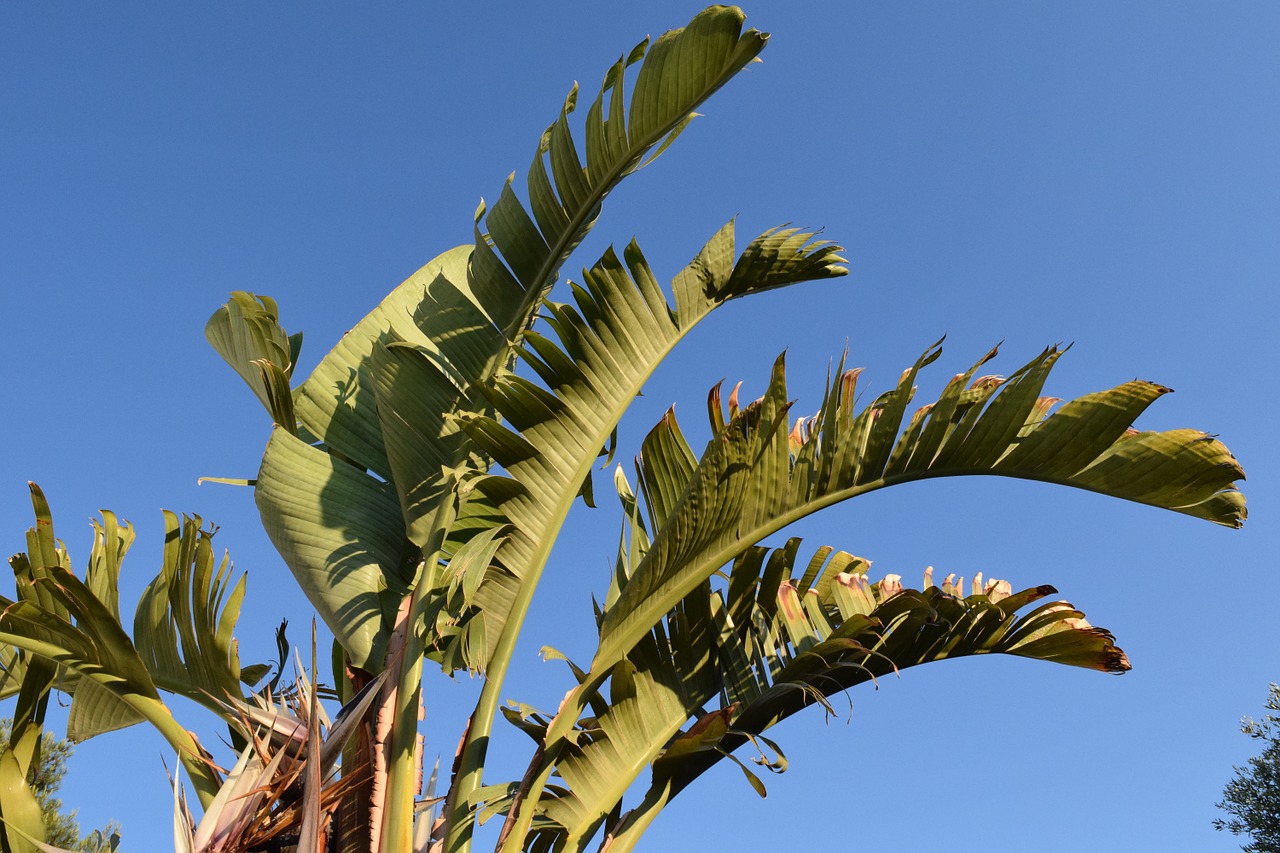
[906,628]
[19,808]
[412,390]
[343,540]
[336,405]
[97,648]
[95,710]
[185,619]
[991,428]
[606,344]
[13,667]
[246,332]
[783,656]
[679,71]
[110,544]
[756,477]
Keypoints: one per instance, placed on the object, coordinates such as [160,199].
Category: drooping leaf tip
[1117,661]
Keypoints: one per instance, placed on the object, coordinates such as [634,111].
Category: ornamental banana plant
[416,482]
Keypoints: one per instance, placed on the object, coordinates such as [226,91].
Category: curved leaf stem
[461,822]
[401,784]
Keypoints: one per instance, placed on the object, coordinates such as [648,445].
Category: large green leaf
[679,71]
[607,343]
[796,640]
[318,528]
[342,537]
[336,403]
[804,647]
[989,426]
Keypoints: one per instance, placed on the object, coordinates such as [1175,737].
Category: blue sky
[1090,173]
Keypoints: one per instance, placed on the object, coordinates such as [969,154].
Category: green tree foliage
[45,777]
[1252,798]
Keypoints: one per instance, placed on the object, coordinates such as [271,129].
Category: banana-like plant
[417,481]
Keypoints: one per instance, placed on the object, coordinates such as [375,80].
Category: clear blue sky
[1098,173]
